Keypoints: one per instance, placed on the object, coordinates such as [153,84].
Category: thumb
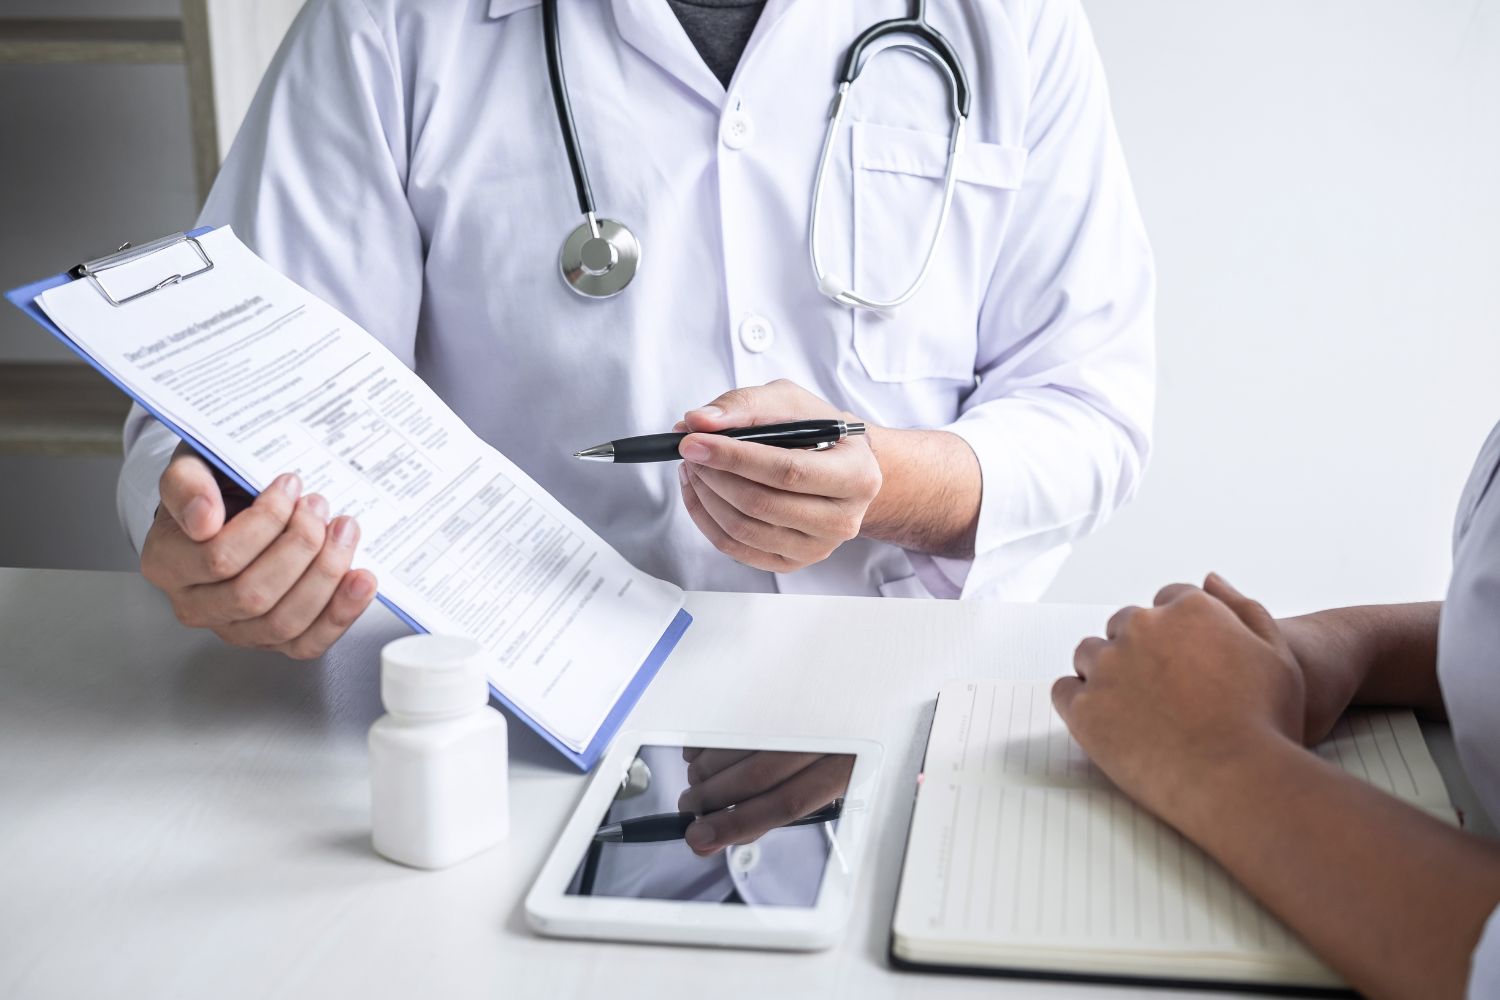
[190,494]
[1251,612]
[746,407]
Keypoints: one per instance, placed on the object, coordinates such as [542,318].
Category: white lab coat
[402,160]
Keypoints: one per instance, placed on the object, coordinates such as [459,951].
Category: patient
[1200,708]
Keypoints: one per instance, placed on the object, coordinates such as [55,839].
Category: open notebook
[1024,859]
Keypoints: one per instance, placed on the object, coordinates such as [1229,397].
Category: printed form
[272,379]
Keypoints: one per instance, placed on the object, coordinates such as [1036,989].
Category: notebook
[1023,859]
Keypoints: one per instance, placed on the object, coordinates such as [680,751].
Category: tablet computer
[713,839]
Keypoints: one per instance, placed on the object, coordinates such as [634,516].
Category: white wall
[1318,178]
[1320,182]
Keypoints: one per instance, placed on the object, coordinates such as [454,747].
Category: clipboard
[95,271]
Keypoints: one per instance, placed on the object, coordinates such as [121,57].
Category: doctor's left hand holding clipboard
[292,401]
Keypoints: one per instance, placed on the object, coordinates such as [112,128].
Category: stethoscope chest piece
[599,258]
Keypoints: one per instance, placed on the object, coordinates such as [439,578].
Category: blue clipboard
[24,298]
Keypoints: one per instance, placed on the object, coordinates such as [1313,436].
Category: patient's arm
[1392,898]
[1196,708]
[1378,655]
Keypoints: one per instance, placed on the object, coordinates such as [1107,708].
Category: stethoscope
[601,256]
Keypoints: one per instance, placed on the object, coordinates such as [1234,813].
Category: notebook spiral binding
[91,269]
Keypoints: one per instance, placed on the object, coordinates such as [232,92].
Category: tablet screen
[714,825]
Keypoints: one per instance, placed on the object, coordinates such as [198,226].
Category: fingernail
[344,532]
[361,588]
[290,484]
[699,835]
[694,451]
[682,474]
[709,411]
[196,509]
[318,506]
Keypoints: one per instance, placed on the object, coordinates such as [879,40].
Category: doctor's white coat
[402,160]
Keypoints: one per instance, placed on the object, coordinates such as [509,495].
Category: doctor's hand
[741,795]
[775,509]
[269,573]
[1178,694]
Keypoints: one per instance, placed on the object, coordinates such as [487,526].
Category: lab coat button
[757,334]
[744,858]
[738,130]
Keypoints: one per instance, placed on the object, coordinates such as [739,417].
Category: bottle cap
[432,675]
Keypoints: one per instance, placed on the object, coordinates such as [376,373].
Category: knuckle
[250,600]
[790,802]
[735,398]
[744,530]
[760,771]
[219,561]
[174,475]
[758,504]
[280,629]
[789,472]
[307,533]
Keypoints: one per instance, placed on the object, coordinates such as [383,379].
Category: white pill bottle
[438,782]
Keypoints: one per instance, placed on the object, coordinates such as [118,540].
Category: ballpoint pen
[672,826]
[663,447]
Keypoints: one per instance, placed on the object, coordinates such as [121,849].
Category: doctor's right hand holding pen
[268,573]
[779,509]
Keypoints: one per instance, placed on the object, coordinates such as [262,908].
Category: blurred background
[1318,178]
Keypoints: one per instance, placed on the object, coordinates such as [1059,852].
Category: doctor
[405,161]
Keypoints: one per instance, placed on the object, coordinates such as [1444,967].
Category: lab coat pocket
[898,192]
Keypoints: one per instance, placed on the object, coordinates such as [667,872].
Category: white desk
[182,820]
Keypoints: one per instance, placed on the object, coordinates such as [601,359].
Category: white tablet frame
[551,911]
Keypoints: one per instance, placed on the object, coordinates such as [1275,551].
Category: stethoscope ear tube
[836,287]
[854,59]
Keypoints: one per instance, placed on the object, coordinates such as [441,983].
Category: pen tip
[598,453]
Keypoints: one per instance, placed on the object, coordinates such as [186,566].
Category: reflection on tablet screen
[747,827]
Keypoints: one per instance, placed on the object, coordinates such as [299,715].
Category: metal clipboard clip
[91,269]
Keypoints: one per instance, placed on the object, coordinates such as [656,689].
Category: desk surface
[178,819]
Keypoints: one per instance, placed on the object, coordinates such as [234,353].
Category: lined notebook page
[1019,840]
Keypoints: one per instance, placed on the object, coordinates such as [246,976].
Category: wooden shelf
[103,40]
[59,409]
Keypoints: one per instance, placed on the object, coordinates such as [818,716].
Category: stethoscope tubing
[832,287]
[564,108]
[622,244]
